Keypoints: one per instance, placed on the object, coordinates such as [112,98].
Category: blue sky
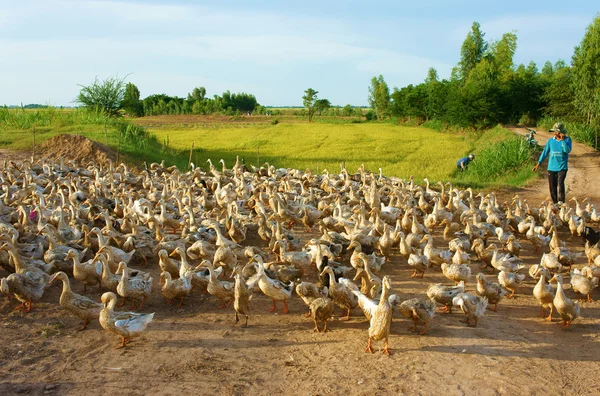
[272,49]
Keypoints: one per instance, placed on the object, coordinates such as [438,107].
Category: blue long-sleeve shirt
[463,162]
[557,152]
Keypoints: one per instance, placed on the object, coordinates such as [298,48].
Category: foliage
[132,105]
[309,101]
[502,157]
[472,51]
[103,96]
[558,94]
[322,105]
[379,97]
[586,73]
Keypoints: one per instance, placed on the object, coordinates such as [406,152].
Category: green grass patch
[400,150]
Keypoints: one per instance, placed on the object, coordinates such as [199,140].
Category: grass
[401,151]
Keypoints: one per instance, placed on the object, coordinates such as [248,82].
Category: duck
[443,294]
[370,283]
[456,273]
[137,288]
[108,280]
[568,309]
[513,246]
[272,288]
[83,307]
[309,291]
[544,293]
[300,259]
[241,297]
[582,285]
[460,256]
[484,254]
[167,264]
[27,288]
[551,263]
[125,324]
[89,273]
[505,262]
[435,256]
[175,288]
[222,290]
[420,311]
[321,310]
[537,240]
[419,262]
[565,256]
[381,317]
[472,306]
[493,291]
[339,293]
[510,281]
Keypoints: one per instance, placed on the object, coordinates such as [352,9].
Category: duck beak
[172,253]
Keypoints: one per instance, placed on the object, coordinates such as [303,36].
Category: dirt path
[582,178]
[197,349]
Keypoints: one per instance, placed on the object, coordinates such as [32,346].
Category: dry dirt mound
[76,148]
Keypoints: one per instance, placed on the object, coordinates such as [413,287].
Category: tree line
[486,88]
[113,97]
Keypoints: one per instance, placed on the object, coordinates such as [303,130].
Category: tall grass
[49,117]
[511,158]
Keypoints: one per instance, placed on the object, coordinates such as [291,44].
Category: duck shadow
[228,343]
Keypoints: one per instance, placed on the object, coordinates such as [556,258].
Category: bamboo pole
[190,160]
[33,151]
[119,146]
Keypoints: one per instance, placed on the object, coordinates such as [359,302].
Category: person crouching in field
[464,162]
[557,150]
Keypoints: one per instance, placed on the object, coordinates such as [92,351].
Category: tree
[321,105]
[347,111]
[198,93]
[558,95]
[308,100]
[586,73]
[379,97]
[131,101]
[472,51]
[104,96]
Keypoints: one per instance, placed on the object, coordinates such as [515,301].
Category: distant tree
[472,51]
[322,105]
[131,101]
[586,73]
[308,100]
[198,93]
[105,96]
[379,97]
[347,110]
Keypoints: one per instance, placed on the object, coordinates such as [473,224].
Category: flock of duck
[92,225]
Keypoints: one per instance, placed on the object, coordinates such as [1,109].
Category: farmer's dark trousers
[556,180]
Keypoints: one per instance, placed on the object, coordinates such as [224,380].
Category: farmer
[464,162]
[558,147]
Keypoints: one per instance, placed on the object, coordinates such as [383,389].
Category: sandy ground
[197,349]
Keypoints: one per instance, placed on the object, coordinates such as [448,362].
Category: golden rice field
[399,150]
